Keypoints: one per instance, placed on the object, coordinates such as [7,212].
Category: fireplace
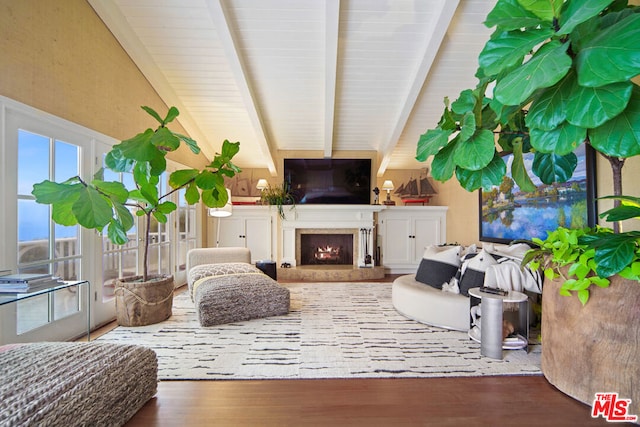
[355,221]
[326,248]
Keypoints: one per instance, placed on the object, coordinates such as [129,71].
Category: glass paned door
[42,245]
[186,238]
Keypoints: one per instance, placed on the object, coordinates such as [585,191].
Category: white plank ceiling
[323,75]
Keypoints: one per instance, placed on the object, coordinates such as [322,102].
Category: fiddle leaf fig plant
[554,74]
[106,206]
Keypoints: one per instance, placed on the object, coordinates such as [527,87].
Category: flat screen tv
[329,181]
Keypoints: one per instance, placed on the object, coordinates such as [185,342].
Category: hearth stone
[330,273]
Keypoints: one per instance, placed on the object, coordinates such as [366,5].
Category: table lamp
[388,185]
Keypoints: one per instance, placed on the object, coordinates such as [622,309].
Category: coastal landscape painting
[508,214]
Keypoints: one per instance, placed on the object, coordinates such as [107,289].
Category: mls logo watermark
[612,408]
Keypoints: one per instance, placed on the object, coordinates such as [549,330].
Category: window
[42,245]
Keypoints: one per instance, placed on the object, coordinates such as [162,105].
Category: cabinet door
[258,238]
[397,244]
[232,232]
[426,232]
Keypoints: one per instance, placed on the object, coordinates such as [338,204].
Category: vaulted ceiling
[321,75]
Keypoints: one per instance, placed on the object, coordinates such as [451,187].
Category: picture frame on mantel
[510,214]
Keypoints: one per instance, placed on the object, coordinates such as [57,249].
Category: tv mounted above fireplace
[329,181]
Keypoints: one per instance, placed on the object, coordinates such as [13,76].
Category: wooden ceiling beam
[428,54]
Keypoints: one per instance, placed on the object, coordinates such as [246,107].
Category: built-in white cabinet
[250,227]
[405,231]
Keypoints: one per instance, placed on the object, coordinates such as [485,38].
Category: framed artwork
[508,214]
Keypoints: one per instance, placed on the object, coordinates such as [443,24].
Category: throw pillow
[473,269]
[439,265]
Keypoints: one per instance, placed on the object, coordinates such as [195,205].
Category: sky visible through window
[33,167]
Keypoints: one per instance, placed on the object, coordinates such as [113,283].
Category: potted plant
[278,196]
[556,74]
[106,206]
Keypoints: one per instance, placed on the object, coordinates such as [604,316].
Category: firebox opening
[326,249]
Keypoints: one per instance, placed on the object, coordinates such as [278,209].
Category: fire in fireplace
[326,249]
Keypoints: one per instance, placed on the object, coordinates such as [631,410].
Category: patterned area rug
[334,330]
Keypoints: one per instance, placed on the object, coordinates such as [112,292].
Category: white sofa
[495,266]
[429,305]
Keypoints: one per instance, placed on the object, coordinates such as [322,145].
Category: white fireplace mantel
[355,217]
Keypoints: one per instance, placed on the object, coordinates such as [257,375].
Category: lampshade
[226,210]
[262,184]
[387,185]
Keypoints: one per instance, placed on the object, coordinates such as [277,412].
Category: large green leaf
[116,162]
[550,167]
[562,140]
[49,192]
[544,9]
[442,165]
[430,143]
[617,48]
[152,113]
[207,180]
[181,177]
[92,209]
[191,143]
[620,136]
[614,255]
[477,152]
[468,127]
[484,178]
[165,140]
[124,216]
[166,207]
[548,110]
[621,213]
[192,195]
[62,213]
[171,115]
[509,48]
[510,15]
[229,149]
[519,170]
[139,147]
[117,233]
[465,102]
[578,12]
[590,107]
[112,189]
[548,65]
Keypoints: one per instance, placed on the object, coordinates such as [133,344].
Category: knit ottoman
[233,292]
[74,384]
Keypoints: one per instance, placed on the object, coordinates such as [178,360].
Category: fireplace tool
[366,233]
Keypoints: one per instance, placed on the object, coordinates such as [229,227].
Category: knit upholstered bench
[74,384]
[226,288]
[234,292]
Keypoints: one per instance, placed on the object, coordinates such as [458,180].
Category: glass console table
[12,297]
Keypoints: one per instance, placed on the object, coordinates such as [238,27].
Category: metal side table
[491,342]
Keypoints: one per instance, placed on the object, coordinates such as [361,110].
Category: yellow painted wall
[58,56]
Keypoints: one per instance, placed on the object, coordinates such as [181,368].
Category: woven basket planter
[594,348]
[143,303]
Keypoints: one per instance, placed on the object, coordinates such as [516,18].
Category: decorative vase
[593,348]
[141,303]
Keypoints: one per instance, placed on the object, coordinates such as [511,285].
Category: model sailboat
[416,191]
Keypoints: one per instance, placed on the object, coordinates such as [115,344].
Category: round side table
[491,342]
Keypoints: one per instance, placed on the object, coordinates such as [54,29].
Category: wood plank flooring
[488,401]
[476,401]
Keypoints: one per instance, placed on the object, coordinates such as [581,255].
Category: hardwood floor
[488,401]
[476,401]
